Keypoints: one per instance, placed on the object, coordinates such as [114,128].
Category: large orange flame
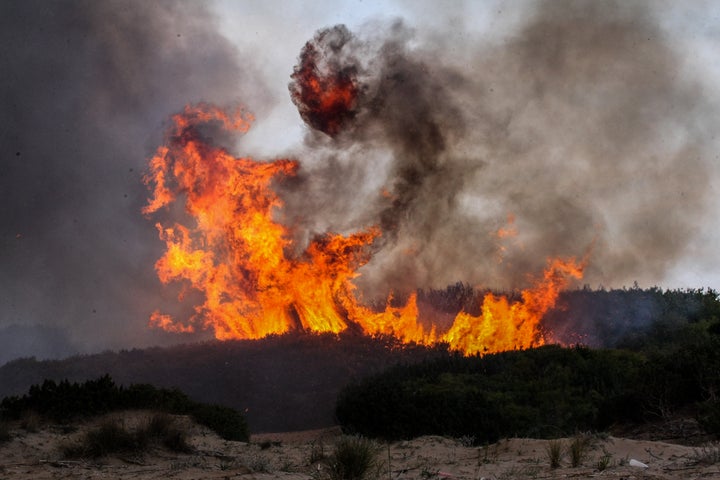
[232,250]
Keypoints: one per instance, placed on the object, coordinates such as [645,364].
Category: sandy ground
[298,455]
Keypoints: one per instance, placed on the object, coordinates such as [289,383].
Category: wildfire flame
[232,250]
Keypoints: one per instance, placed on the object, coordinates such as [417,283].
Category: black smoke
[85,90]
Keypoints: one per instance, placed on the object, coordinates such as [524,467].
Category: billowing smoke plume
[85,89]
[582,129]
[581,133]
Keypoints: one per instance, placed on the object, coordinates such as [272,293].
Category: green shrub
[543,392]
[225,421]
[30,421]
[65,401]
[353,458]
[709,417]
[4,432]
[604,461]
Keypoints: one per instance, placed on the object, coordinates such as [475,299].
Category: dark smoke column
[324,90]
[383,100]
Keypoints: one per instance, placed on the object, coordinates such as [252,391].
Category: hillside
[282,383]
[291,382]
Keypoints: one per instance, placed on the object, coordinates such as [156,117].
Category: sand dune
[297,455]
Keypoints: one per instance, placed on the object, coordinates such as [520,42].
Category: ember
[324,91]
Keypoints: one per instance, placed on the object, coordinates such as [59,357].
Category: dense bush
[242,374]
[4,432]
[65,401]
[631,318]
[542,392]
[226,421]
[670,361]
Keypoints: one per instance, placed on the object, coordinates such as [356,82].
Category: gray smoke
[85,90]
[582,132]
[584,126]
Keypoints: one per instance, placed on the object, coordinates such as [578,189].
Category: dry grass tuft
[554,450]
[578,448]
[354,458]
[111,437]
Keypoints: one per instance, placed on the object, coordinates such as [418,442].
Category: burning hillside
[471,144]
[233,251]
[390,200]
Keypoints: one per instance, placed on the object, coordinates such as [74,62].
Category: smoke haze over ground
[572,126]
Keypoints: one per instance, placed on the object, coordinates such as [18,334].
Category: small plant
[709,416]
[510,473]
[554,449]
[354,458]
[532,471]
[109,437]
[176,440]
[227,464]
[225,421]
[159,425]
[265,444]
[578,449]
[604,462]
[467,440]
[4,432]
[706,455]
[30,421]
[64,429]
[162,428]
[427,473]
[486,456]
[317,453]
[260,464]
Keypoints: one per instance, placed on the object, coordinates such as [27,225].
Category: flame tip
[235,255]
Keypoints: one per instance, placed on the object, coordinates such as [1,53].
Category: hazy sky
[692,29]
[593,123]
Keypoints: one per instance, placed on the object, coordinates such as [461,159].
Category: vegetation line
[64,402]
